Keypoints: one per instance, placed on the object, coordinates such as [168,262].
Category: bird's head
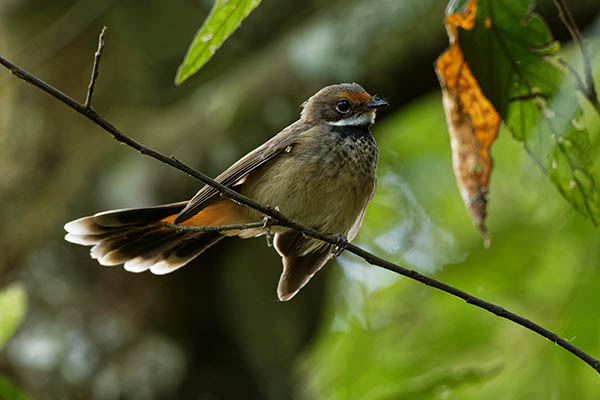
[345,104]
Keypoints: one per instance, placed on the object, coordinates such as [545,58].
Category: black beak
[377,102]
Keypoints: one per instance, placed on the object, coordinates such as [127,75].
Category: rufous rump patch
[221,212]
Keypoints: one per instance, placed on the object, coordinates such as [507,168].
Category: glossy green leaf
[224,18]
[13,303]
[508,52]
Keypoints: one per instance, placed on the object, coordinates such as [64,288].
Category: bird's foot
[341,244]
[267,223]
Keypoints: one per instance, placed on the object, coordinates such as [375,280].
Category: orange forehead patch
[356,98]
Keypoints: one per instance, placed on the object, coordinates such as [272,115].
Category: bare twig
[282,220]
[567,19]
[97,56]
[220,228]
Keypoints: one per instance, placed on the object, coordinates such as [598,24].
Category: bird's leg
[341,244]
[267,222]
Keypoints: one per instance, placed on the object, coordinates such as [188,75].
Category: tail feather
[193,245]
[178,256]
[151,241]
[147,255]
[297,271]
[111,242]
[302,259]
[88,240]
[136,216]
[132,246]
[134,238]
[85,226]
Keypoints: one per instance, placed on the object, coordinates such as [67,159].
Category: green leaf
[13,303]
[224,18]
[508,51]
[8,391]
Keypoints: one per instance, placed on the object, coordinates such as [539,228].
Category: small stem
[97,56]
[220,228]
[567,19]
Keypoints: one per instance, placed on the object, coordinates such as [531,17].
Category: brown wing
[356,225]
[236,173]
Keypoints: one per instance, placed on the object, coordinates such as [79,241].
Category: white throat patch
[356,120]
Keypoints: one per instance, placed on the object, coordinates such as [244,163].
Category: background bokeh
[214,329]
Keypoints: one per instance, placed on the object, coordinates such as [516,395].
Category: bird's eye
[343,106]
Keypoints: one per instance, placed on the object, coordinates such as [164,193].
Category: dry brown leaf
[472,120]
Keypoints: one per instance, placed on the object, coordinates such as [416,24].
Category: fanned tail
[134,238]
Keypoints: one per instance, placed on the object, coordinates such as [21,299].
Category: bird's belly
[328,196]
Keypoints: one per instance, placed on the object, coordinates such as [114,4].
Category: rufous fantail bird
[319,171]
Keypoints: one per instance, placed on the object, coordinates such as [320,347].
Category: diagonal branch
[280,219]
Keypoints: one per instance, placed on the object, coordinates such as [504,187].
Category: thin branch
[97,56]
[220,228]
[567,19]
[281,220]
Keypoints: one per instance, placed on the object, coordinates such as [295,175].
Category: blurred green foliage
[13,303]
[8,391]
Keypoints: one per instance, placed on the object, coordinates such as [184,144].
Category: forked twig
[97,56]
